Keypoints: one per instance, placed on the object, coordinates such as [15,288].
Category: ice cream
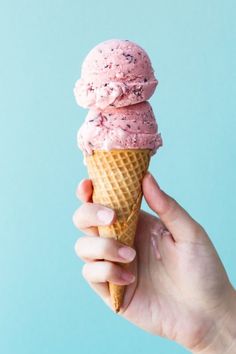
[119,134]
[115,73]
[132,127]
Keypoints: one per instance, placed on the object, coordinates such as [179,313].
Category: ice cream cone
[117,177]
[119,133]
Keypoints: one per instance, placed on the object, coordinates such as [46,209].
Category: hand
[179,288]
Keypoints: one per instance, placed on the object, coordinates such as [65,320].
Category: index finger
[84,190]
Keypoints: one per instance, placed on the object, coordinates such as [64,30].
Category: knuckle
[85,271]
[74,217]
[78,246]
[83,208]
[172,208]
[88,271]
[198,230]
[172,204]
[78,217]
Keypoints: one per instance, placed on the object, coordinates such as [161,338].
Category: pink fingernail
[127,253]
[127,277]
[105,216]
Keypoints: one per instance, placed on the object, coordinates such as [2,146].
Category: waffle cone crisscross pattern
[117,177]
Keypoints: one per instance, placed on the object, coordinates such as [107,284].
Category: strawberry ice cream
[116,73]
[132,127]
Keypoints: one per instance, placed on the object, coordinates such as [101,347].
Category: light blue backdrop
[45,305]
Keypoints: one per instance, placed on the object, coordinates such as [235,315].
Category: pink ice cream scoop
[132,127]
[116,73]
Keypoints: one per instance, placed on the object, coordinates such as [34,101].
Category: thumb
[175,218]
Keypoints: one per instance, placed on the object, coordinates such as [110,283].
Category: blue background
[45,305]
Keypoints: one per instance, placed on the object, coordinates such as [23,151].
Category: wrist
[221,338]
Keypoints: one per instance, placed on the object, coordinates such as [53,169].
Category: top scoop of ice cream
[115,73]
[132,127]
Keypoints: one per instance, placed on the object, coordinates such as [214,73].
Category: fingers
[98,273]
[90,215]
[84,190]
[175,218]
[101,272]
[95,248]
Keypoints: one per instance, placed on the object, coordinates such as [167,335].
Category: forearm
[222,337]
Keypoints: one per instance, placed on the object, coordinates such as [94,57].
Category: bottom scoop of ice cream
[132,127]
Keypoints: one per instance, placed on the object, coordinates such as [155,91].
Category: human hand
[181,290]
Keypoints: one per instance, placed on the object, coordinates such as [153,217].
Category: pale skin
[177,286]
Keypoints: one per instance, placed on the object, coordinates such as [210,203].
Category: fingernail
[105,216]
[127,253]
[127,277]
[74,218]
[152,179]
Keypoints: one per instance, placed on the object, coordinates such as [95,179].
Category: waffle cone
[117,177]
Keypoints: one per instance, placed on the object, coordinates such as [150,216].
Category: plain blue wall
[45,305]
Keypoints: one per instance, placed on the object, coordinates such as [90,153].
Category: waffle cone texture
[117,184]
